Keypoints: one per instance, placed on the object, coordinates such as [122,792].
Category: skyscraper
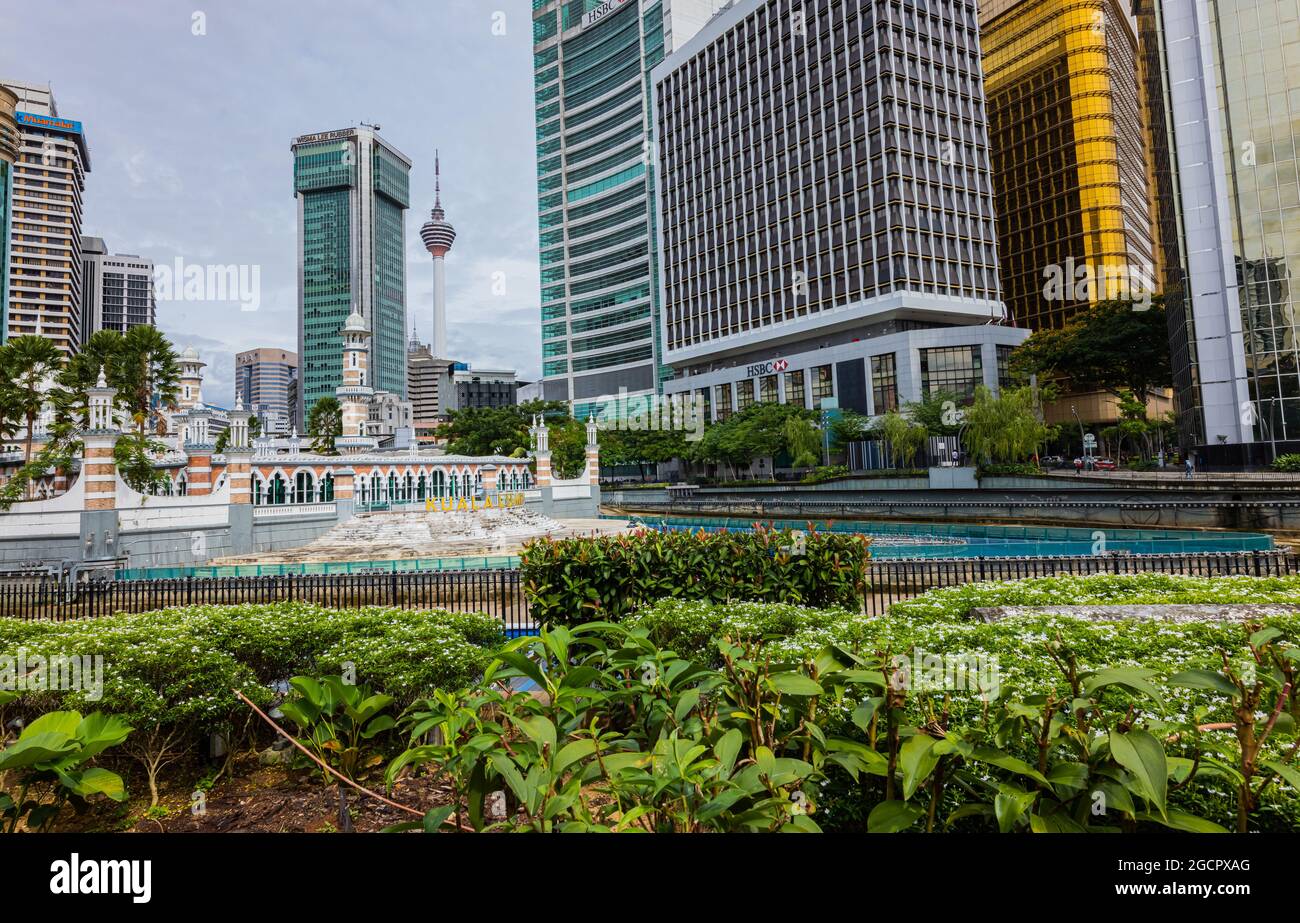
[826,208]
[8,156]
[438,236]
[118,291]
[1224,89]
[45,285]
[263,380]
[591,61]
[353,189]
[1069,166]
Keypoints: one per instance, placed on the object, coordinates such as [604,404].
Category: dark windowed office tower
[592,60]
[826,208]
[353,190]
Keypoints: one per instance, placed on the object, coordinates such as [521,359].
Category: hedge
[607,578]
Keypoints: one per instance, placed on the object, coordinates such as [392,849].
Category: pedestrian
[1189,466]
[1078,466]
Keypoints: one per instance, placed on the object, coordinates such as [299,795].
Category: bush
[1015,469]
[1289,462]
[595,579]
[1020,651]
[172,673]
[631,735]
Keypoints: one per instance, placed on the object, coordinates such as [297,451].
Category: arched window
[421,488]
[304,487]
[409,489]
[181,486]
[257,491]
[327,488]
[439,483]
[374,488]
[392,487]
[465,478]
[277,490]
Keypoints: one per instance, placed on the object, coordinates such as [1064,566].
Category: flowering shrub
[1019,650]
[571,581]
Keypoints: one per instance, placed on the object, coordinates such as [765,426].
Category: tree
[149,371]
[28,366]
[936,412]
[325,424]
[803,442]
[644,448]
[849,426]
[1004,427]
[904,437]
[1112,346]
[499,430]
[758,431]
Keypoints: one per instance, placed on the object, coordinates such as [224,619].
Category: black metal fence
[500,593]
[495,592]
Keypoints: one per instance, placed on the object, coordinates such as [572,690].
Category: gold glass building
[1069,165]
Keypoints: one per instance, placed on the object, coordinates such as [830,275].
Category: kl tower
[438,236]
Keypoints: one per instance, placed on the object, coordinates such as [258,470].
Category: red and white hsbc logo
[767,368]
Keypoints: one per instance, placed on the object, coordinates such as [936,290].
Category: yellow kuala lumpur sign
[471,504]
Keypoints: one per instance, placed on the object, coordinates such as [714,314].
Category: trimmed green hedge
[606,578]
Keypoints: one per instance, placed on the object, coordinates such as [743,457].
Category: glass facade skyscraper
[1224,87]
[595,184]
[353,190]
[1065,130]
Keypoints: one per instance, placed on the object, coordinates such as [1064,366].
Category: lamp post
[1082,442]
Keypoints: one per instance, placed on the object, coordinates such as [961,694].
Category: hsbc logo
[767,368]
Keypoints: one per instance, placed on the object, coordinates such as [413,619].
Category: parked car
[1051,461]
[1104,464]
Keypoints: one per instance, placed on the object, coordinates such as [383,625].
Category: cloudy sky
[189,139]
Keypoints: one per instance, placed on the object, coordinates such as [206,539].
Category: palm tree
[28,365]
[148,370]
[325,423]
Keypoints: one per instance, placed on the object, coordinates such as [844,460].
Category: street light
[1083,442]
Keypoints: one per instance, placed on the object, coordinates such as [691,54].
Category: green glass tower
[353,189]
[600,313]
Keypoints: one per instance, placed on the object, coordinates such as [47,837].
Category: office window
[953,369]
[722,399]
[767,389]
[884,383]
[794,388]
[744,393]
[1004,366]
[823,384]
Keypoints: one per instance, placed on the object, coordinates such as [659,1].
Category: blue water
[964,540]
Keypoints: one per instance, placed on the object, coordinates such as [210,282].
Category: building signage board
[49,122]
[767,368]
[600,12]
[326,136]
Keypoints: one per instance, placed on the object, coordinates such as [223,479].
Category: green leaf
[506,768]
[1188,823]
[726,750]
[863,713]
[538,728]
[64,723]
[97,781]
[571,752]
[434,820]
[37,748]
[1143,756]
[1290,773]
[917,760]
[892,816]
[1010,804]
[524,665]
[1134,678]
[796,684]
[1264,635]
[1204,679]
[1008,762]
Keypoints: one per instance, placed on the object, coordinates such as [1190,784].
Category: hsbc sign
[600,12]
[767,368]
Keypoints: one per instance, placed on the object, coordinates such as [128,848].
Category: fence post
[290,586]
